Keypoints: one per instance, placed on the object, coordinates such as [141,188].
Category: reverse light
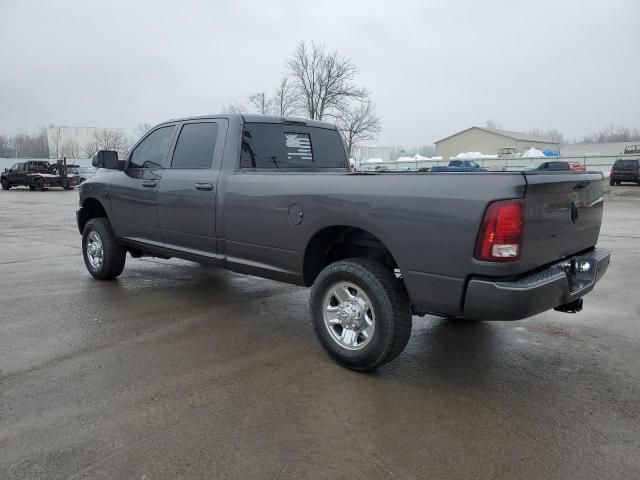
[500,236]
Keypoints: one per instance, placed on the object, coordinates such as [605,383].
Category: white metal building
[79,142]
[362,154]
[488,141]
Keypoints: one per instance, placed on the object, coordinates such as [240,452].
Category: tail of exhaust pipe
[573,307]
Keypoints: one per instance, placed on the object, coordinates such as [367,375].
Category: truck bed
[428,221]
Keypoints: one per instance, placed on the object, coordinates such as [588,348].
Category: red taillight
[500,235]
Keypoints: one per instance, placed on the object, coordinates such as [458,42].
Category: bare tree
[283,102]
[358,122]
[322,81]
[107,139]
[27,145]
[261,103]
[6,149]
[551,134]
[492,124]
[70,149]
[141,129]
[614,134]
[236,107]
[56,139]
[91,147]
[41,144]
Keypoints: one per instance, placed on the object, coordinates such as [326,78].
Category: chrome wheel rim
[95,251]
[348,315]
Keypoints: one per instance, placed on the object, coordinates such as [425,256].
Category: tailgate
[563,215]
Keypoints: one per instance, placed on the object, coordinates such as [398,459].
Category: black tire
[38,184]
[32,188]
[113,255]
[68,188]
[5,184]
[611,182]
[390,307]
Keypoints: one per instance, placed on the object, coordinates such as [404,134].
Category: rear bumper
[622,177]
[530,294]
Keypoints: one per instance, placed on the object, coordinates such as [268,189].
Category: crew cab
[274,197]
[37,175]
[460,166]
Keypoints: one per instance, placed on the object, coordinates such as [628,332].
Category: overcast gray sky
[434,67]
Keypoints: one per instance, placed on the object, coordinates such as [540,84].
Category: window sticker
[298,147]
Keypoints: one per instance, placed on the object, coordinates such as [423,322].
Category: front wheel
[103,256]
[5,184]
[361,313]
[38,184]
[611,182]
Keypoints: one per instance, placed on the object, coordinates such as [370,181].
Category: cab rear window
[626,164]
[283,146]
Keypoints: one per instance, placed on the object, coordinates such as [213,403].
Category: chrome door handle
[149,183]
[204,186]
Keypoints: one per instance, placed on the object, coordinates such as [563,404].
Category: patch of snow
[471,156]
[417,158]
[533,153]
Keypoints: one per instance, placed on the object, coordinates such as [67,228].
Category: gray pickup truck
[274,197]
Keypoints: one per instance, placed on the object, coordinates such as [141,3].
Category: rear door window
[274,145]
[195,146]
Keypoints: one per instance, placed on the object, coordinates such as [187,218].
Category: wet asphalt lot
[181,371]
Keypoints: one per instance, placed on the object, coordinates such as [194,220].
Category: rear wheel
[103,256]
[5,184]
[38,184]
[360,313]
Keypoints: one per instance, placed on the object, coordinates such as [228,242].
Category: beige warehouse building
[488,141]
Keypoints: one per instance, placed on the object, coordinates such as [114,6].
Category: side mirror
[106,159]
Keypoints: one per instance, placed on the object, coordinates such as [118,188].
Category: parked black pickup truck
[37,175]
[274,197]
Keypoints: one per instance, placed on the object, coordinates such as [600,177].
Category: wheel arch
[339,242]
[91,208]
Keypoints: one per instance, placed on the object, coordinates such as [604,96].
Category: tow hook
[573,307]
